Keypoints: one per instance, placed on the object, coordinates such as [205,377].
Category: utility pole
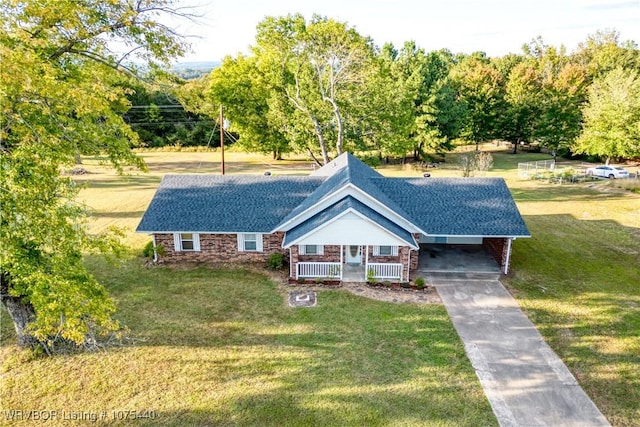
[222,139]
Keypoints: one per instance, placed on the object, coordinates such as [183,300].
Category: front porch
[350,272]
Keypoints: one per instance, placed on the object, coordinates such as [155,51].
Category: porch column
[366,260]
[341,261]
[291,265]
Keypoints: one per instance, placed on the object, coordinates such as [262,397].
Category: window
[311,250]
[385,250]
[186,242]
[250,242]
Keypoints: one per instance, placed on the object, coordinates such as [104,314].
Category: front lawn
[221,347]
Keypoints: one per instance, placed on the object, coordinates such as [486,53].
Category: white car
[606,171]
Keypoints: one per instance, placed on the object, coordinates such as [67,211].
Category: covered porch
[356,263]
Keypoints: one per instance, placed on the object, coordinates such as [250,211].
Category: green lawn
[211,347]
[578,279]
[221,347]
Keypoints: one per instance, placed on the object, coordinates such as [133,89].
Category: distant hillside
[193,70]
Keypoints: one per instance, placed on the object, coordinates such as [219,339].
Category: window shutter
[177,244]
[302,249]
[376,250]
[259,242]
[394,250]
[320,249]
[196,242]
[240,242]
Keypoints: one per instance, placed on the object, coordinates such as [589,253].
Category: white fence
[385,271]
[528,169]
[331,270]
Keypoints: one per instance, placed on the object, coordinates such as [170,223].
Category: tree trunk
[21,313]
[336,114]
[515,146]
[313,157]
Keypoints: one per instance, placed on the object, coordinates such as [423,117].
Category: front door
[354,254]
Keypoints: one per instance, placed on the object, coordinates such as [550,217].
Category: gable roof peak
[353,165]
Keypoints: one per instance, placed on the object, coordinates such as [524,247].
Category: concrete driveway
[525,381]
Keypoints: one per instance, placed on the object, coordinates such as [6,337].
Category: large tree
[523,90]
[62,93]
[239,85]
[430,104]
[320,73]
[612,117]
[481,89]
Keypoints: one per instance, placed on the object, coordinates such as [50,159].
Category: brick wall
[221,248]
[497,248]
[331,254]
[385,258]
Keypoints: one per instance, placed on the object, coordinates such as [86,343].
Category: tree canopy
[62,93]
[612,116]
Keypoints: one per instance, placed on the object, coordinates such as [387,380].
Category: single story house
[343,214]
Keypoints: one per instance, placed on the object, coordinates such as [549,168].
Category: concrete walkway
[525,381]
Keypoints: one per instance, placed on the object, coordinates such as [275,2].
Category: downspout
[506,264]
[408,266]
[155,253]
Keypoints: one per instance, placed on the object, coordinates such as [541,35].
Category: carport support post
[508,260]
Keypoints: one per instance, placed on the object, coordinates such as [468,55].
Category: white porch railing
[330,270]
[383,271]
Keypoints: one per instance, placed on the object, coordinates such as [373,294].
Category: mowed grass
[221,347]
[210,347]
[578,279]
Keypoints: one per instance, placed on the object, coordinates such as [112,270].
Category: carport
[456,258]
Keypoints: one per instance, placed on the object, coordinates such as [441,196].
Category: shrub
[371,276]
[275,261]
[475,161]
[148,250]
[419,282]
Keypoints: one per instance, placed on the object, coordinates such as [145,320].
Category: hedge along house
[343,217]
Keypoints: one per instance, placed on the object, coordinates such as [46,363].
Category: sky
[496,27]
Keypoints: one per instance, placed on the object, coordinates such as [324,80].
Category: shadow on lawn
[103,214]
[128,183]
[556,193]
[349,360]
[578,282]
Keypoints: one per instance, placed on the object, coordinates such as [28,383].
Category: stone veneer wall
[221,248]
[497,248]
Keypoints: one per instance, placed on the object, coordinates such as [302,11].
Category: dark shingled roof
[261,204]
[457,206]
[225,203]
[346,169]
[340,207]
